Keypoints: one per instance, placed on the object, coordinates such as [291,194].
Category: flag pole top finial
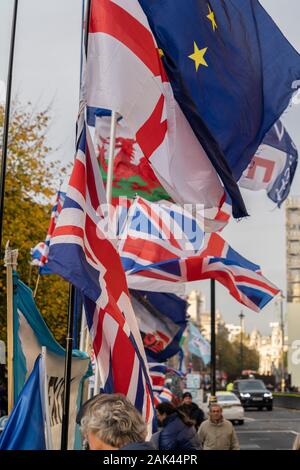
[10,256]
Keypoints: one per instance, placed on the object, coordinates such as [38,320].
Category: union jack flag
[82,252]
[162,395]
[158,375]
[40,252]
[161,259]
[37,253]
[163,230]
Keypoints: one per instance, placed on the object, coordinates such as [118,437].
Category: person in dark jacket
[192,410]
[178,431]
[111,422]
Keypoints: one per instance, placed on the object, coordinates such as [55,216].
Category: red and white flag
[125,73]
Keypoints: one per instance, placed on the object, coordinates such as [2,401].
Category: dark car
[253,393]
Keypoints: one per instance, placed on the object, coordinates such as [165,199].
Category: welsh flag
[132,174]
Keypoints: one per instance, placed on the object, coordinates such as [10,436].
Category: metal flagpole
[241,317]
[6,117]
[213,336]
[282,383]
[10,262]
[70,327]
[68,368]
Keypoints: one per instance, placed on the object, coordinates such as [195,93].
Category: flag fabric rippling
[83,252]
[30,335]
[233,74]
[40,252]
[25,428]
[273,166]
[215,260]
[122,44]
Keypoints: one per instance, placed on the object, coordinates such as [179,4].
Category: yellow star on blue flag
[198,56]
[211,17]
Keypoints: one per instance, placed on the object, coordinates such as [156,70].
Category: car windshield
[251,385]
[227,397]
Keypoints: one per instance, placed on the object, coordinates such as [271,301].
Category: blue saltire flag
[24,429]
[174,308]
[232,72]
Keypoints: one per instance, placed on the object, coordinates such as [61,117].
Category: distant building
[234,332]
[269,349]
[200,317]
[293,249]
[293,287]
[196,302]
[293,316]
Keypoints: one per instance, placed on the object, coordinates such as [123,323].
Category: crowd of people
[110,422]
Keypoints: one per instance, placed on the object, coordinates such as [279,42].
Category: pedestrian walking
[191,409]
[217,433]
[296,445]
[178,431]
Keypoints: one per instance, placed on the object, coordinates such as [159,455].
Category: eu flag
[232,72]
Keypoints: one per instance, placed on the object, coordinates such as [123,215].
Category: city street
[269,430]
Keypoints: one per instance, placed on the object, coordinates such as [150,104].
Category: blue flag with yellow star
[232,72]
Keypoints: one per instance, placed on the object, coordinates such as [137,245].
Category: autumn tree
[31,183]
[229,356]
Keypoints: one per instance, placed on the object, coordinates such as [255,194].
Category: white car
[232,407]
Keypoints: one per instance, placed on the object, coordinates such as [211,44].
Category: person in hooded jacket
[178,431]
[192,410]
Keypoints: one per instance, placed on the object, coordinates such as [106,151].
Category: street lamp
[241,317]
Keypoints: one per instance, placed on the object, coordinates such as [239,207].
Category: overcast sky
[47,68]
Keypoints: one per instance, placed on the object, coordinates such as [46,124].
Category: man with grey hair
[216,433]
[111,422]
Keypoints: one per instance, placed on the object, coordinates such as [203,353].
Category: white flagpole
[83,328]
[110,171]
[111,156]
[48,435]
[36,286]
[10,262]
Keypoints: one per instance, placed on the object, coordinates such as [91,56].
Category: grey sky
[47,65]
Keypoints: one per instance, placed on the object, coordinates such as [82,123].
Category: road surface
[269,430]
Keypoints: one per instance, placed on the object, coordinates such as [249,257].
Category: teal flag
[30,334]
[198,345]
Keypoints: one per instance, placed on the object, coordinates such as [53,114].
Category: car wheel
[269,408]
[241,421]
